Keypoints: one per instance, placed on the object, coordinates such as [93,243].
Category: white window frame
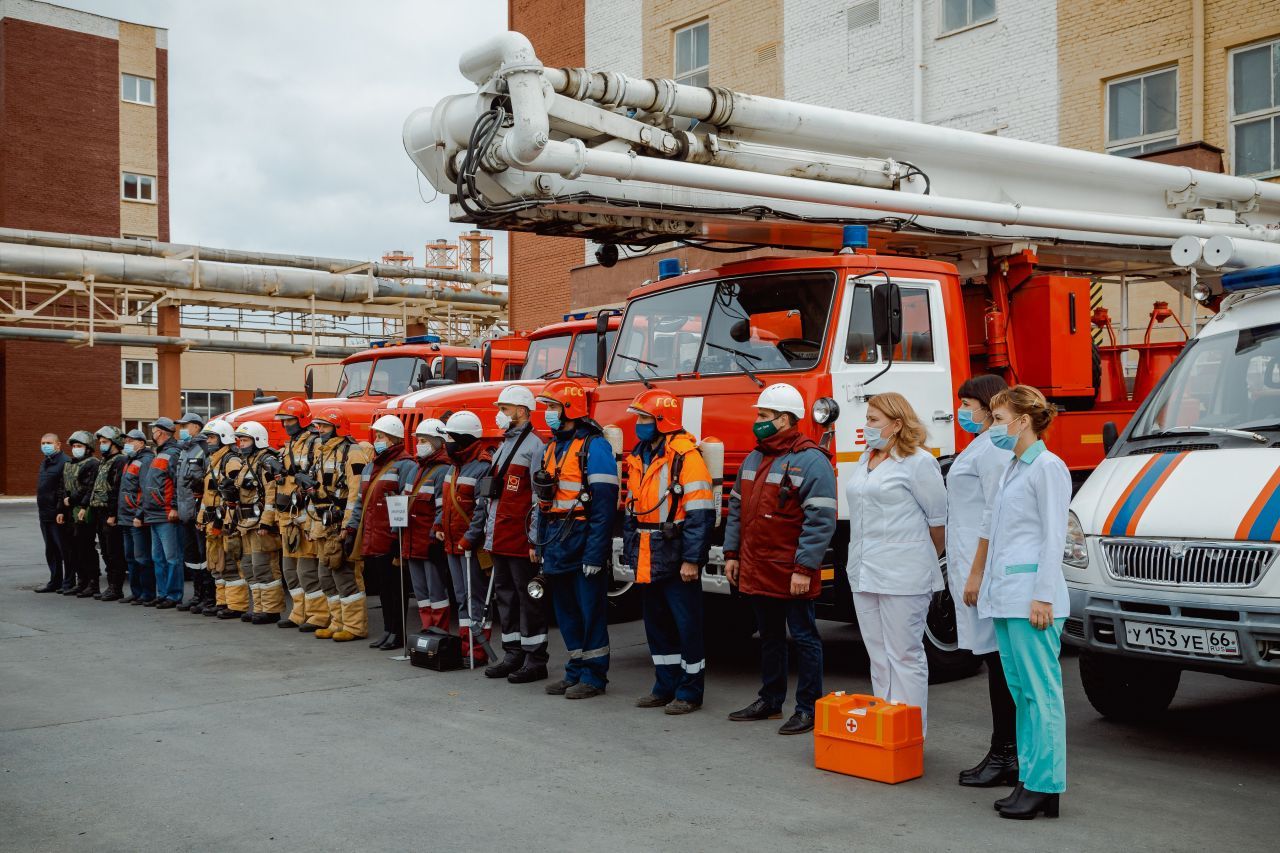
[207,411]
[686,77]
[1246,118]
[140,384]
[151,180]
[1142,141]
[969,23]
[124,89]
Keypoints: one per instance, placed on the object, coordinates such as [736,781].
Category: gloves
[590,570]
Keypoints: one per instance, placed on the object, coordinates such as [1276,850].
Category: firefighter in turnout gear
[76,517]
[577,493]
[192,464]
[335,603]
[105,503]
[294,486]
[428,564]
[220,443]
[255,483]
[667,526]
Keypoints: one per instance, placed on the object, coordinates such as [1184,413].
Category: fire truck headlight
[825,410]
[1074,552]
[1201,292]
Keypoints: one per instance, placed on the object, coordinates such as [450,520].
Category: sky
[285,118]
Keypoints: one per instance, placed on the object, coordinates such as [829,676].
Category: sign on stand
[398,511]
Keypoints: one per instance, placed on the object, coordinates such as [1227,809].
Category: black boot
[999,767]
[1028,804]
[378,643]
[1004,802]
[113,593]
[509,664]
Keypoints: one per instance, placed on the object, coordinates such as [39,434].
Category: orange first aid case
[868,737]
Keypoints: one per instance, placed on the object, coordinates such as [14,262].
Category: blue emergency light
[575,315]
[854,237]
[412,339]
[1251,279]
[668,268]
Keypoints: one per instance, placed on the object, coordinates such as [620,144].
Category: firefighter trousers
[673,626]
[522,619]
[582,612]
[260,563]
[231,585]
[342,586]
[297,561]
[431,590]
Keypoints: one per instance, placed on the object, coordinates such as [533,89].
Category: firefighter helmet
[781,397]
[464,423]
[256,431]
[568,394]
[661,405]
[222,430]
[336,418]
[295,407]
[112,435]
[389,425]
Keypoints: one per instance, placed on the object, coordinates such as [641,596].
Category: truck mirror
[1109,435]
[449,367]
[309,384]
[486,362]
[886,312]
[422,378]
[602,340]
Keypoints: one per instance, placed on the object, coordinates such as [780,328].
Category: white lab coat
[972,484]
[890,512]
[1027,533]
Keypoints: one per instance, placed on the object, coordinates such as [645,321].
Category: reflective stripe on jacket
[130,503]
[192,462]
[423,492]
[460,512]
[506,530]
[159,486]
[390,473]
[576,529]
[654,553]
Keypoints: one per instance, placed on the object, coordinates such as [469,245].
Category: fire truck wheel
[1127,690]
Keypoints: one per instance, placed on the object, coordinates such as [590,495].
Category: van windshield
[748,324]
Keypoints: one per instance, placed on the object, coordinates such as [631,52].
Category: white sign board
[398,511]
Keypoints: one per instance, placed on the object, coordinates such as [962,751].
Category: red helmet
[661,405]
[295,407]
[568,394]
[332,415]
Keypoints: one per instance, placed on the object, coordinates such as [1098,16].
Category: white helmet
[256,431]
[222,430]
[430,428]
[464,423]
[389,425]
[781,397]
[517,395]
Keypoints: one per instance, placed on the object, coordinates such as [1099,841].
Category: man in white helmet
[259,540]
[220,443]
[427,562]
[507,487]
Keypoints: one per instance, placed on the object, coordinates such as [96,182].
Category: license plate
[1172,638]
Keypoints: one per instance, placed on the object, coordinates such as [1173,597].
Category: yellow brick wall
[738,30]
[139,146]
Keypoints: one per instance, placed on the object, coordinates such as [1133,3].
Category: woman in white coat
[1022,588]
[897,512]
[972,483]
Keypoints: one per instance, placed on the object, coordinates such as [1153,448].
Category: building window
[138,90]
[134,423]
[1142,113]
[958,14]
[206,404]
[693,55]
[138,187]
[138,373]
[1255,110]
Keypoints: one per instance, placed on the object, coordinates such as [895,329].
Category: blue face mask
[1000,437]
[553,420]
[873,437]
[77,452]
[967,423]
[646,432]
[46,449]
[129,450]
[379,446]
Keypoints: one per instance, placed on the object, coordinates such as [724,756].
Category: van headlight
[1074,551]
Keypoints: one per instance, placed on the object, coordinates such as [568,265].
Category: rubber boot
[296,617]
[315,611]
[355,619]
[334,603]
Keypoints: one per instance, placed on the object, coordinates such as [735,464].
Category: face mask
[764,429]
[967,423]
[1000,437]
[244,450]
[325,434]
[553,420]
[646,432]
[130,450]
[503,420]
[77,452]
[874,437]
[293,429]
[46,449]
[379,446]
[424,449]
[105,447]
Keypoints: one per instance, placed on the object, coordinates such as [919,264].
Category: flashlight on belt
[537,587]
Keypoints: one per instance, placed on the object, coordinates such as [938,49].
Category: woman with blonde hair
[897,512]
[1022,589]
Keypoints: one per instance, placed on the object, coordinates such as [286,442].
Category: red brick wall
[539,266]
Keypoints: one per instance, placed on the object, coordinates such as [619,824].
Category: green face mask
[764,429]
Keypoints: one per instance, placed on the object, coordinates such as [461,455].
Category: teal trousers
[1030,660]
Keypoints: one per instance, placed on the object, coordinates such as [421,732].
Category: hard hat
[81,436]
[431,428]
[222,430]
[136,435]
[335,417]
[389,425]
[190,418]
[569,394]
[256,431]
[111,434]
[661,405]
[781,397]
[165,424]
[517,395]
[295,407]
[464,423]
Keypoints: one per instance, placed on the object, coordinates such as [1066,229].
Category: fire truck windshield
[748,324]
[390,376]
[547,357]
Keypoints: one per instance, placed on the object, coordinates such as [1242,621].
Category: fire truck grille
[1224,565]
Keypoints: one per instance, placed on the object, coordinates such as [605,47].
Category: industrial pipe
[1235,254]
[26,333]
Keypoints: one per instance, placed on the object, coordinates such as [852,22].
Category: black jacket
[49,485]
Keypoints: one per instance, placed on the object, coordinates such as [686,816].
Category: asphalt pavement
[131,729]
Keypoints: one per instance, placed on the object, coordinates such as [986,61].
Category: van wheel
[1129,691]
[947,661]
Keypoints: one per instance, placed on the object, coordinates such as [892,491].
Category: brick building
[83,149]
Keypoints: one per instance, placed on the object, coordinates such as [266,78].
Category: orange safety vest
[571,494]
[652,500]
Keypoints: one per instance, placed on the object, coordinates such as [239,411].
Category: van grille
[1225,565]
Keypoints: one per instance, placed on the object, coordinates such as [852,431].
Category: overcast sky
[285,118]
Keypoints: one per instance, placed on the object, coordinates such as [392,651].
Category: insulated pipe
[156,249]
[72,264]
[1235,253]
[1186,251]
[25,333]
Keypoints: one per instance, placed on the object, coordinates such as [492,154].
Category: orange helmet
[295,407]
[569,394]
[335,416]
[661,405]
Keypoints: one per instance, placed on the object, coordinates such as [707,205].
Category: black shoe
[1005,802]
[87,592]
[377,644]
[800,722]
[247,617]
[393,641]
[130,600]
[681,706]
[1028,804]
[197,607]
[265,618]
[46,588]
[231,614]
[999,767]
[505,667]
[652,701]
[65,590]
[757,710]
[528,674]
[185,606]
[583,691]
[213,610]
[286,623]
[559,688]
[112,595]
[97,596]
[167,604]
[308,628]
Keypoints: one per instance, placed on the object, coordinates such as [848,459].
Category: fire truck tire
[1127,690]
